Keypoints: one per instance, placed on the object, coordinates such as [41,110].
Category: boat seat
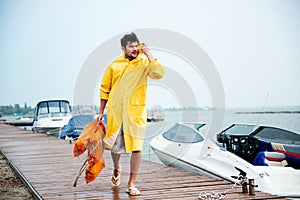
[267,158]
[275,159]
[274,156]
[276,163]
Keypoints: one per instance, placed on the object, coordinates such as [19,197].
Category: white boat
[51,115]
[183,146]
[20,121]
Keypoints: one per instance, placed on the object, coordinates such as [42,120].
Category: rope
[221,195]
[80,172]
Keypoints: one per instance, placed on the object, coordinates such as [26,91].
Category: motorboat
[51,115]
[20,121]
[266,154]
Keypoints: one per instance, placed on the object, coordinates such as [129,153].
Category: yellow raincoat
[124,85]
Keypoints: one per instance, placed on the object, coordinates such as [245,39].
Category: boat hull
[48,130]
[181,164]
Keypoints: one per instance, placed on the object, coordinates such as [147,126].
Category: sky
[253,44]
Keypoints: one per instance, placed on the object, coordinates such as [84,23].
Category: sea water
[284,120]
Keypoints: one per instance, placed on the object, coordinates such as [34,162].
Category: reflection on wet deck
[47,166]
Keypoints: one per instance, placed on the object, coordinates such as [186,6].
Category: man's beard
[130,57]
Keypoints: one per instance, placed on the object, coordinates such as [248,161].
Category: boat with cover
[76,124]
[266,154]
[51,115]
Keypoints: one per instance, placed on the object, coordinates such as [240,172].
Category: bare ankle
[117,172]
[130,184]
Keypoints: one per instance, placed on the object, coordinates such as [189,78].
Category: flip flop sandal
[133,191]
[116,180]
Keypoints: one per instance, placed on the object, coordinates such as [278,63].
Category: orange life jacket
[91,139]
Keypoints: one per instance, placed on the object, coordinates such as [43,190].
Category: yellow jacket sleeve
[106,84]
[156,70]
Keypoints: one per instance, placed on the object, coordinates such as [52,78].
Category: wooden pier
[46,165]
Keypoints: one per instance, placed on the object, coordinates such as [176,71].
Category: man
[123,89]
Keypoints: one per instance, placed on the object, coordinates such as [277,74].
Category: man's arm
[156,71]
[102,107]
[104,91]
[147,53]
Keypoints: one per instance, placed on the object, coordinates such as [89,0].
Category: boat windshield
[53,109]
[43,108]
[270,134]
[183,134]
[240,129]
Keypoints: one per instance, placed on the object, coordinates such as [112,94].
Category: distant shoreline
[270,112]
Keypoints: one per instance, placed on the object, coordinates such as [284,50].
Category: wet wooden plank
[47,165]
